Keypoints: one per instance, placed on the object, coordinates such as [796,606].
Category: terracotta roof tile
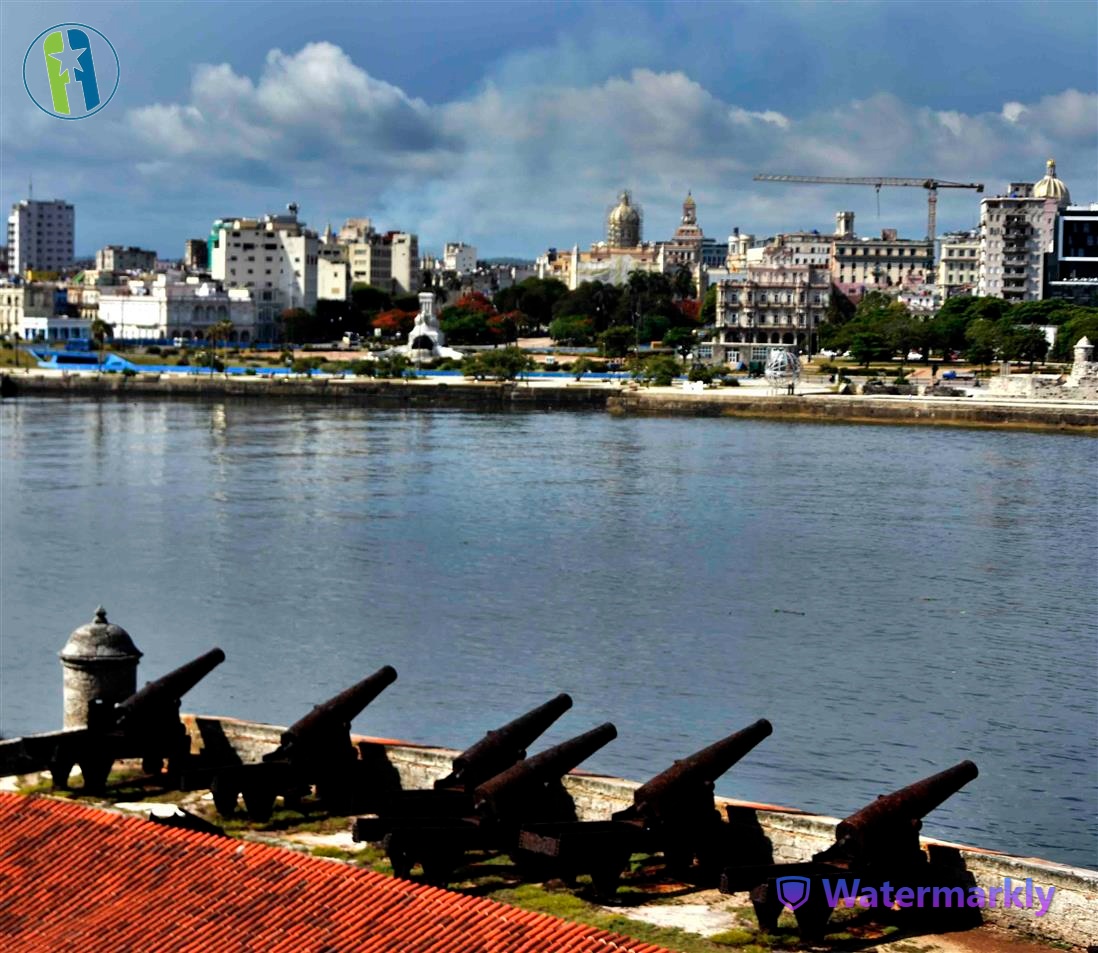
[77,878]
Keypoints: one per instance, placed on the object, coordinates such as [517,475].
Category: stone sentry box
[793,836]
[99,661]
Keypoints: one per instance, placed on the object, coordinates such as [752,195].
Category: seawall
[1056,415]
[791,835]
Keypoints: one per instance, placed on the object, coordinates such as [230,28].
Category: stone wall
[792,836]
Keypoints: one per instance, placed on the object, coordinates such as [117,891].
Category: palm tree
[220,332]
[99,332]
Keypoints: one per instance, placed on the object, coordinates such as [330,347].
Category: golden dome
[623,224]
[1051,187]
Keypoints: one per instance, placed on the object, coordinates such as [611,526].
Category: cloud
[518,165]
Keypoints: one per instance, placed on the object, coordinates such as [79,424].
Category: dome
[623,225]
[100,640]
[1051,187]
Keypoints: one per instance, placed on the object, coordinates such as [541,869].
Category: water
[893,599]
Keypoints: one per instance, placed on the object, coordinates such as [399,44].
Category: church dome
[623,225]
[1051,187]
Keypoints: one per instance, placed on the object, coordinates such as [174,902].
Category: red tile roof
[77,878]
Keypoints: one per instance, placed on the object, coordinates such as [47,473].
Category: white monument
[425,341]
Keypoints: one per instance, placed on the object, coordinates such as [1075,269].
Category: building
[196,254]
[624,224]
[131,883]
[162,310]
[1073,271]
[274,258]
[459,257]
[958,265]
[878,263]
[388,261]
[774,304]
[332,279]
[20,302]
[1016,234]
[117,258]
[41,236]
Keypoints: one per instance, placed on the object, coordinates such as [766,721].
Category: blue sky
[512,125]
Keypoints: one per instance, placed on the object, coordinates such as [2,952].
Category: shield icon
[792,891]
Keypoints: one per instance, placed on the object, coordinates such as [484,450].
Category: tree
[981,342]
[1083,324]
[708,313]
[221,331]
[1029,344]
[571,330]
[866,346]
[504,364]
[100,330]
[660,370]
[581,367]
[391,365]
[615,341]
[683,283]
[535,299]
[297,325]
[395,323]
[682,340]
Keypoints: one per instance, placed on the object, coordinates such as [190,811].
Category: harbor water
[893,599]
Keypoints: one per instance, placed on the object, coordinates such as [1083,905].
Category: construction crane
[931,186]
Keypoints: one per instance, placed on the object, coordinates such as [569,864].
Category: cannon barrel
[548,765]
[699,769]
[502,747]
[908,804]
[167,691]
[339,711]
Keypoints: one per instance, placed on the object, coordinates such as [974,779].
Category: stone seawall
[367,391]
[1059,415]
[936,411]
[793,836]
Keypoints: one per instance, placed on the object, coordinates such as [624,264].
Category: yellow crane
[931,186]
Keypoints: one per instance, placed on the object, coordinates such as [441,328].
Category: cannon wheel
[60,769]
[152,764]
[225,795]
[764,898]
[96,769]
[439,864]
[605,877]
[259,801]
[399,854]
[812,915]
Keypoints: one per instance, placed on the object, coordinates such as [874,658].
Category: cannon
[452,796]
[674,813]
[527,792]
[878,843]
[315,751]
[146,725]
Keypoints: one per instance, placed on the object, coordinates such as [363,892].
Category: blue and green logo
[71,71]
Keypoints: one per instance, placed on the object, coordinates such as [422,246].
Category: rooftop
[76,877]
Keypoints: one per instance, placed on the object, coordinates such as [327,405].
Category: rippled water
[893,599]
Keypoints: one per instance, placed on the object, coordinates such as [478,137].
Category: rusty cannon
[529,791]
[314,752]
[874,845]
[674,814]
[452,796]
[146,725]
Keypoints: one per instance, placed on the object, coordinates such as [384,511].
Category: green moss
[733,937]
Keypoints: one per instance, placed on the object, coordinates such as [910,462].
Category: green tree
[503,364]
[297,325]
[981,341]
[869,345]
[1083,324]
[391,365]
[682,340]
[100,330]
[221,331]
[708,313]
[615,341]
[572,330]
[1029,344]
[660,370]
[582,366]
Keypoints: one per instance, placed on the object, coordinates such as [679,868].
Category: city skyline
[515,133]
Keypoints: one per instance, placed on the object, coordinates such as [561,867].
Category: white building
[1017,231]
[117,258]
[459,257]
[388,261]
[877,263]
[274,258]
[163,310]
[958,265]
[40,236]
[771,305]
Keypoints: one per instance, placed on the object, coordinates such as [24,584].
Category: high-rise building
[1073,271]
[1016,234]
[117,258]
[41,236]
[389,261]
[196,254]
[274,257]
[958,265]
[459,257]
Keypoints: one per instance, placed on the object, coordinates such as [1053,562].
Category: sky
[512,126]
